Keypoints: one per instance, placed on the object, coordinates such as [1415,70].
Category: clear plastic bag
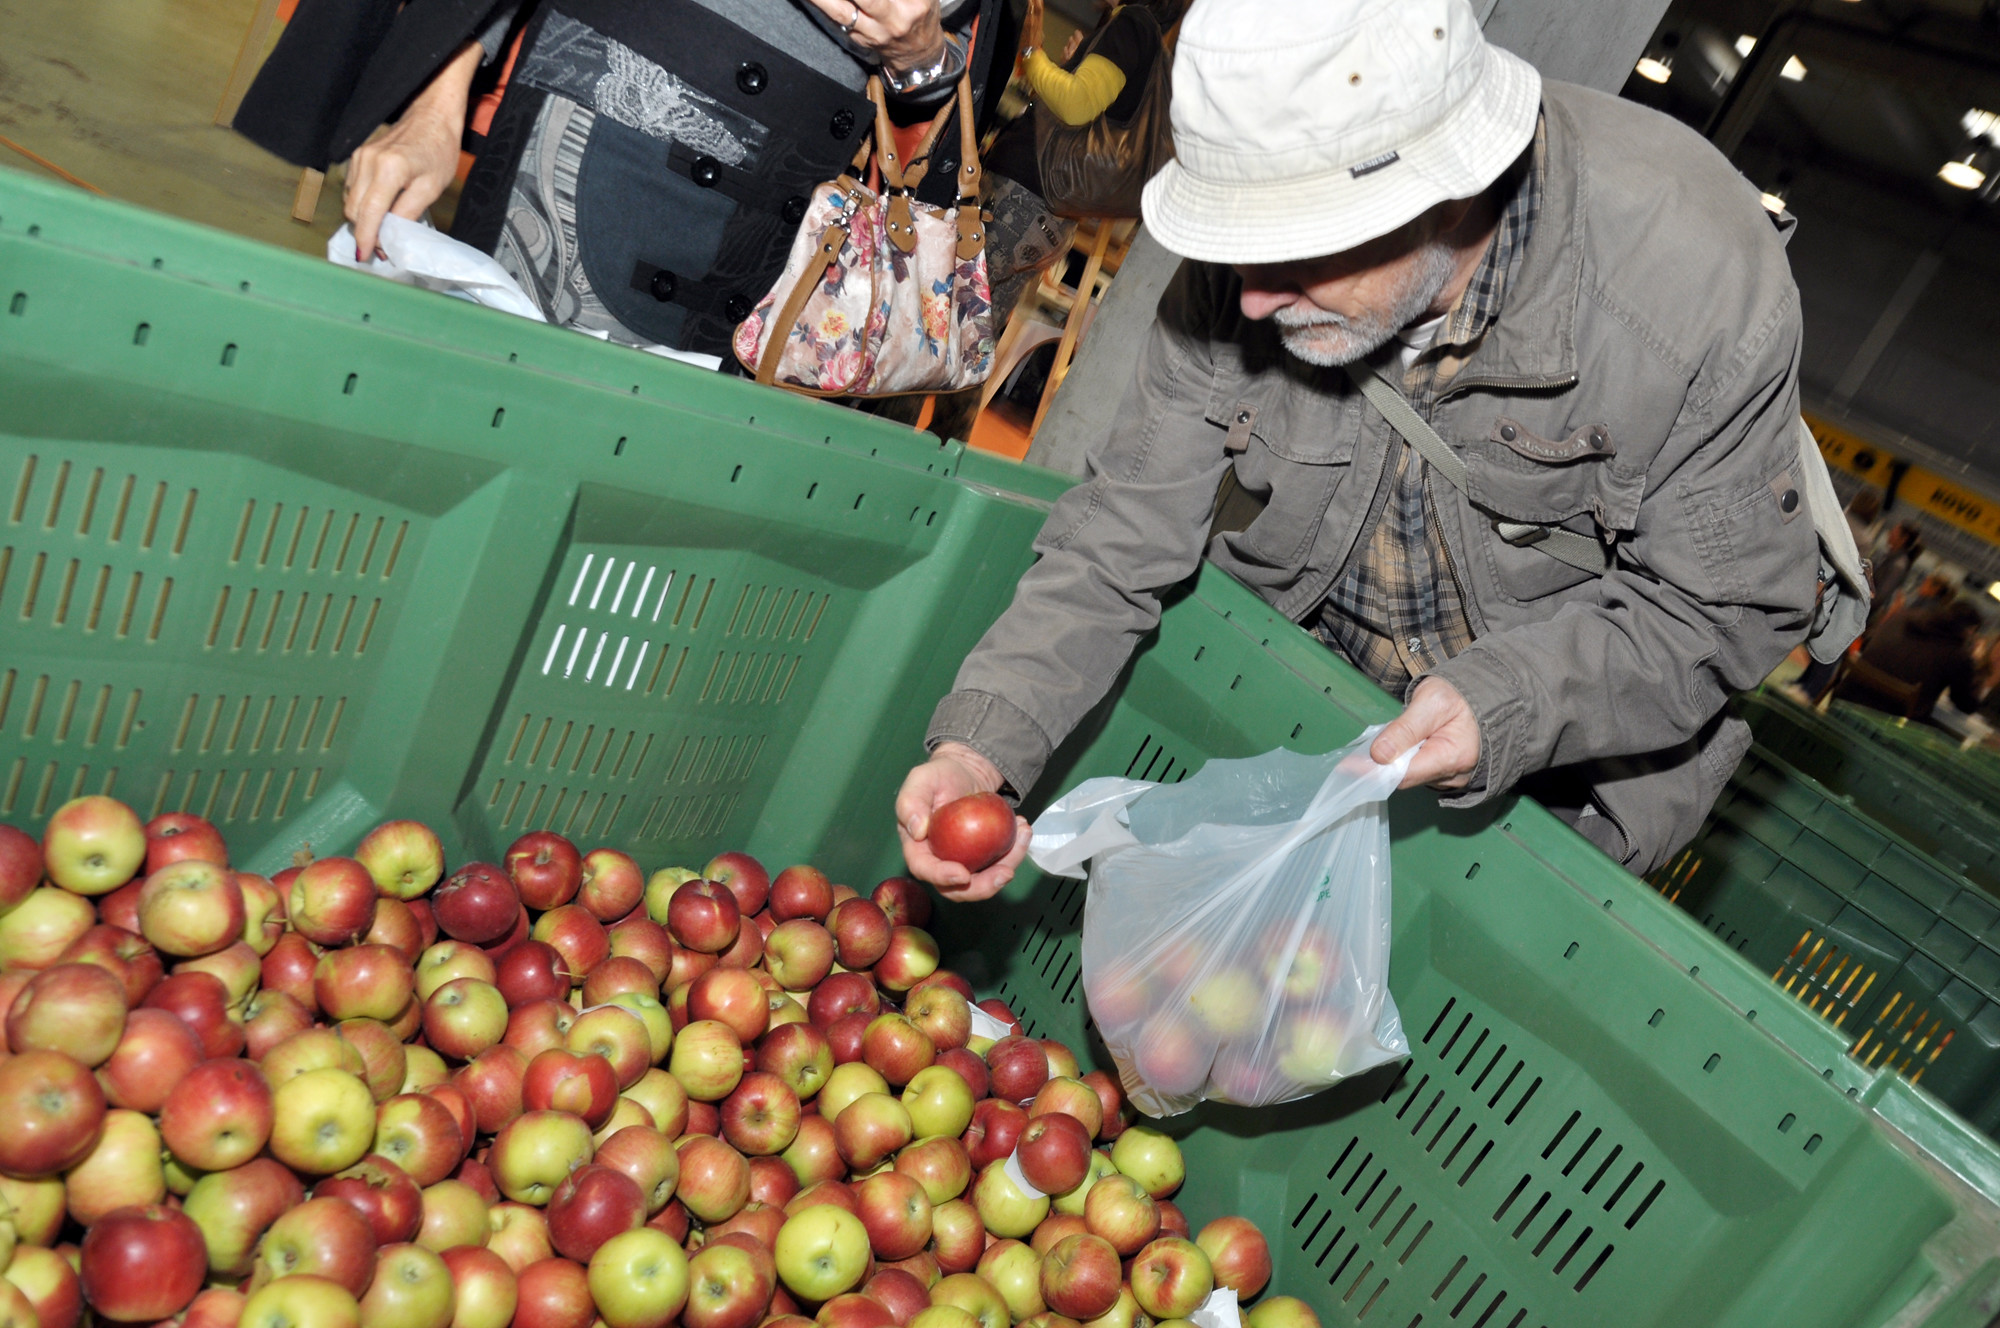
[1236,930]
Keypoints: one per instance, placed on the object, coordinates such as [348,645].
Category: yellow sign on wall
[1965,508]
[1856,456]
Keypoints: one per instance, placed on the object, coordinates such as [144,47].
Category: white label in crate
[1218,1311]
[1028,1187]
[986,1026]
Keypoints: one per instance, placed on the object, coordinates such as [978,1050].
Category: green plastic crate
[1598,1124]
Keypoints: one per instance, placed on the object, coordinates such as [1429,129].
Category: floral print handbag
[882,295]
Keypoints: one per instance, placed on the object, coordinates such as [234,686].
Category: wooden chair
[268,17]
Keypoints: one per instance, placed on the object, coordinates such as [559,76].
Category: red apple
[218,1116]
[939,1164]
[815,1153]
[729,1286]
[535,1027]
[464,1114]
[563,1080]
[52,1286]
[958,1236]
[383,1193]
[853,1309]
[610,884]
[944,1016]
[801,892]
[332,902]
[532,971]
[54,1112]
[639,937]
[842,993]
[772,1181]
[289,966]
[590,1206]
[1115,1112]
[545,868]
[1054,1153]
[911,957]
[648,1157]
[703,915]
[621,1037]
[20,866]
[761,1115]
[1170,1277]
[715,1178]
[384,1057]
[617,976]
[395,926]
[745,877]
[142,1263]
[897,1214]
[1238,1254]
[1118,1209]
[800,1055]
[968,1067]
[1070,1097]
[419,1134]
[491,1082]
[477,904]
[996,1127]
[155,1053]
[687,965]
[860,932]
[93,845]
[363,982]
[906,901]
[183,836]
[269,1018]
[1081,1277]
[1019,1067]
[732,997]
[902,1293]
[554,1293]
[975,831]
[577,936]
[77,1009]
[895,1048]
[123,953]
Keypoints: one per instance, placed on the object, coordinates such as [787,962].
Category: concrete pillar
[1595,44]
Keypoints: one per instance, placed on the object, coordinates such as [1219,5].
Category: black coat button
[1789,500]
[843,123]
[737,307]
[1507,432]
[705,172]
[663,285]
[751,78]
[794,210]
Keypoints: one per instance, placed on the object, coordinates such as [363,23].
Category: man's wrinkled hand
[954,771]
[1439,718]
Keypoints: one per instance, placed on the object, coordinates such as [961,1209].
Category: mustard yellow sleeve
[1077,98]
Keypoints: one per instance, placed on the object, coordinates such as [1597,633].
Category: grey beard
[1328,339]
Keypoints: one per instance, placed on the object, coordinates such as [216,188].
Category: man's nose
[1264,294]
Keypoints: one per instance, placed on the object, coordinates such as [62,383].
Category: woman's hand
[404,167]
[953,772]
[1031,26]
[902,34]
[1072,46]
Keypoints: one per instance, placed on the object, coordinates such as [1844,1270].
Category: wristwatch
[949,64]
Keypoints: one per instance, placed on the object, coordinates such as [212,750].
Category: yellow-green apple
[269,1018]
[141,1263]
[911,957]
[575,935]
[1315,1049]
[54,1112]
[535,1027]
[93,845]
[1119,1210]
[870,1129]
[121,1171]
[821,1252]
[648,1158]
[50,1284]
[1019,1067]
[950,1316]
[1053,1153]
[448,960]
[845,1084]
[610,884]
[799,1054]
[332,901]
[464,1017]
[958,1236]
[659,1026]
[554,1293]
[703,915]
[707,1059]
[219,1116]
[35,932]
[836,1192]
[1150,1158]
[970,1294]
[1125,1314]
[785,1009]
[491,1082]
[620,1036]
[939,1164]
[761,1115]
[772,1181]
[939,1101]
[38,1208]
[191,908]
[403,858]
[1015,1271]
[1081,1277]
[593,1204]
[1062,1061]
[1303,969]
[263,911]
[1238,1254]
[412,1288]
[518,1233]
[1171,1277]
[1281,1312]
[77,1009]
[364,982]
[545,868]
[860,933]
[799,954]
[615,976]
[814,1154]
[313,1049]
[1071,1201]
[320,1238]
[715,1178]
[534,1152]
[943,1015]
[625,1113]
[638,1279]
[995,1128]
[422,1068]
[896,1048]
[123,953]
[664,1100]
[383,1055]
[20,866]
[384,1194]
[477,903]
[484,1294]
[1005,1208]
[1229,1001]
[801,892]
[896,1213]
[729,1285]
[301,1301]
[733,998]
[454,1214]
[906,901]
[323,1121]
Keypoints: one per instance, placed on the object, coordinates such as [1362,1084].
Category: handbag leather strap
[1565,546]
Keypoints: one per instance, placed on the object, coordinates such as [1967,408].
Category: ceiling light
[1981,124]
[1962,174]
[1745,44]
[1794,69]
[1654,71]
[1773,202]
[1994,590]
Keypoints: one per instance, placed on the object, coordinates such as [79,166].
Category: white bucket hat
[1307,127]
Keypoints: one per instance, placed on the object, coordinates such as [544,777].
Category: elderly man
[1512,366]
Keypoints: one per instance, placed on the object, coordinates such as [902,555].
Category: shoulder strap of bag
[831,241]
[1566,546]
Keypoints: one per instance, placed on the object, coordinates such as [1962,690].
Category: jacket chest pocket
[1572,480]
[1292,451]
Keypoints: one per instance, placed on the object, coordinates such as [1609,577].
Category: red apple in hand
[142,1263]
[975,831]
[545,868]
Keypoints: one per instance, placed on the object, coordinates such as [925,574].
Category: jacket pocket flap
[1308,427]
[1504,482]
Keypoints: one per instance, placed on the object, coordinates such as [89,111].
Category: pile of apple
[552,1093]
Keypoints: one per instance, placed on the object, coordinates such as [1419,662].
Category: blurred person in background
[1913,657]
[1863,513]
[1892,568]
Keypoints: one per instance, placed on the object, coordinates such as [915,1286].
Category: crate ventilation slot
[243,723]
[1828,982]
[225,796]
[611,754]
[301,621]
[311,540]
[1903,1038]
[1151,762]
[39,789]
[1050,945]
[123,512]
[574,812]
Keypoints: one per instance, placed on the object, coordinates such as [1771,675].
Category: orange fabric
[484,108]
[286,8]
